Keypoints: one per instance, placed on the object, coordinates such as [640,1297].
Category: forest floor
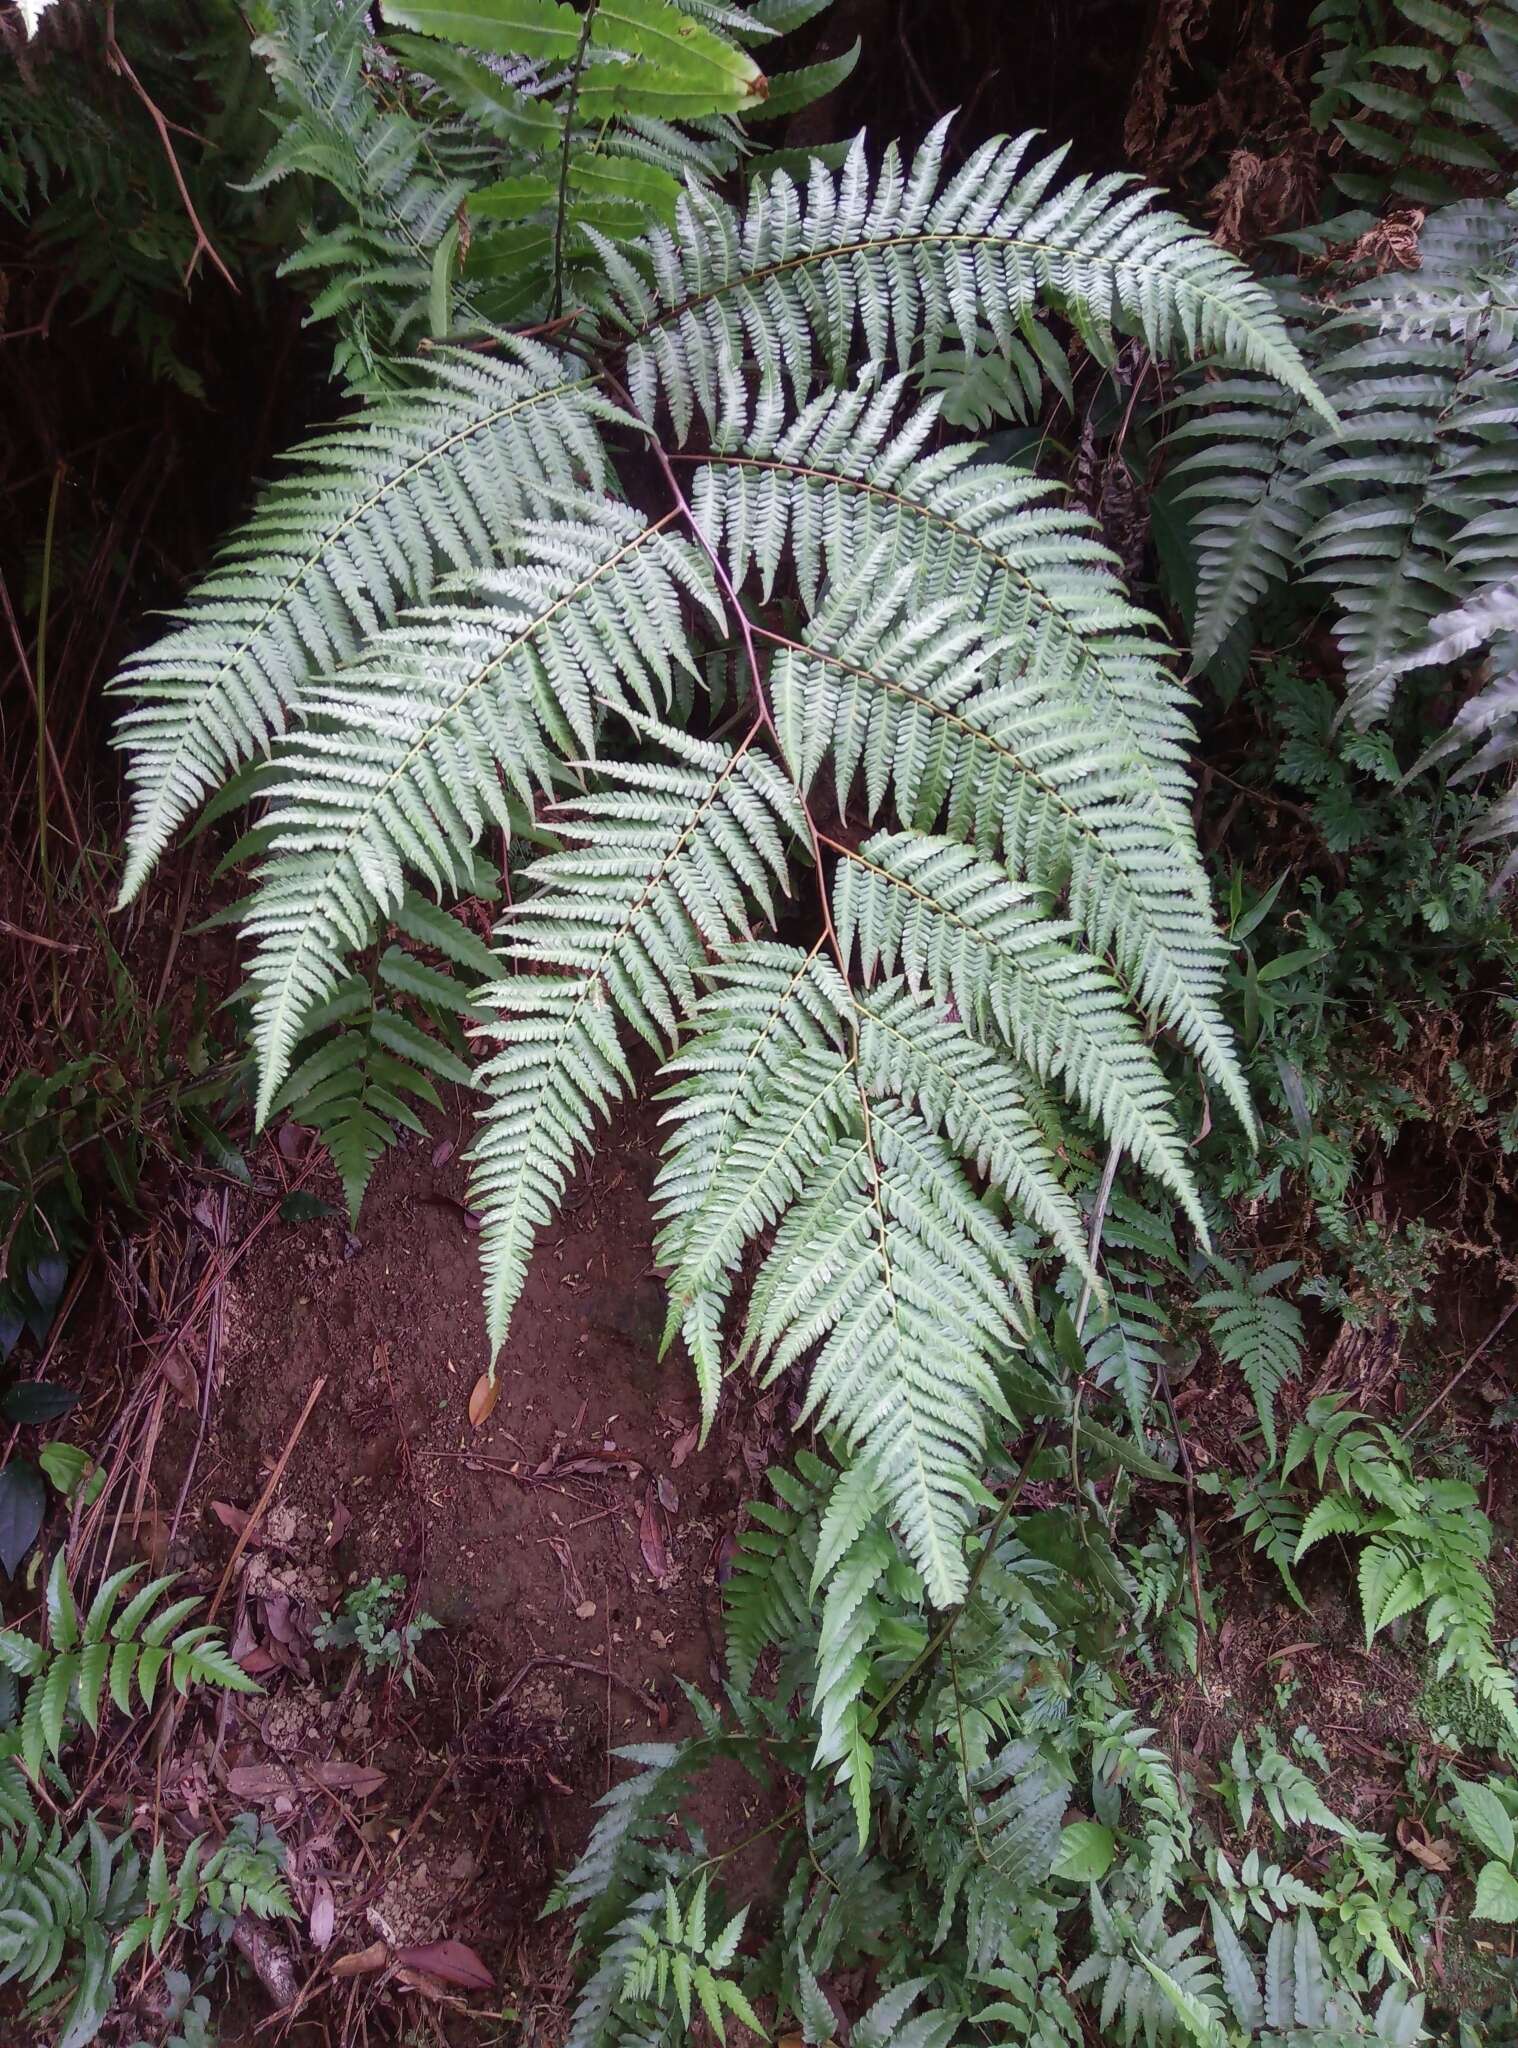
[571,1545]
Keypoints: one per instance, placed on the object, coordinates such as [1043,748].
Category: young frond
[1259,1332]
[671,854]
[902,264]
[434,479]
[404,758]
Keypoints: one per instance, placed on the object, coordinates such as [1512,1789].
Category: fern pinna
[936,861]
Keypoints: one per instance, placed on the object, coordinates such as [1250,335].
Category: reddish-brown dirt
[578,1529]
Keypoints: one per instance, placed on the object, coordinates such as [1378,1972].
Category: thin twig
[266,1496]
[213,1349]
[117,58]
[556,296]
[1455,1378]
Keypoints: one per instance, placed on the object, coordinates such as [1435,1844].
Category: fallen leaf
[359,1779]
[258,1660]
[472,1219]
[323,1916]
[684,1445]
[669,1500]
[451,1962]
[293,1141]
[342,1516]
[651,1540]
[374,1957]
[181,1376]
[1433,1855]
[235,1519]
[487,1391]
[268,1781]
[442,1152]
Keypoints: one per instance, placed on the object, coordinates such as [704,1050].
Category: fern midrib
[1039,600]
[949,237]
[358,818]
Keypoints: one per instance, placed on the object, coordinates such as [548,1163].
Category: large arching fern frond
[900,263]
[405,757]
[418,484]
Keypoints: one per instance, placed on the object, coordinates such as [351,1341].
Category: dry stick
[266,1496]
[571,1664]
[117,58]
[213,1348]
[1450,1385]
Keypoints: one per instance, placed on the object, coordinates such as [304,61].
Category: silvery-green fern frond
[378,509]
[1248,487]
[1016,764]
[957,924]
[899,263]
[670,855]
[403,758]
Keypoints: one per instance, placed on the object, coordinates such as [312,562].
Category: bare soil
[571,1545]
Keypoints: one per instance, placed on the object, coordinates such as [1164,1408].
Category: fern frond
[903,264]
[1009,763]
[1250,495]
[1261,1334]
[404,758]
[434,479]
[959,925]
[671,855]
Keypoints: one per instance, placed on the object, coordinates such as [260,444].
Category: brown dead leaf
[471,1218]
[267,1781]
[342,1516]
[293,1141]
[487,1391]
[235,1519]
[181,1376]
[323,1915]
[451,1962]
[651,1540]
[1437,1854]
[669,1499]
[362,1960]
[442,1152]
[684,1445]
